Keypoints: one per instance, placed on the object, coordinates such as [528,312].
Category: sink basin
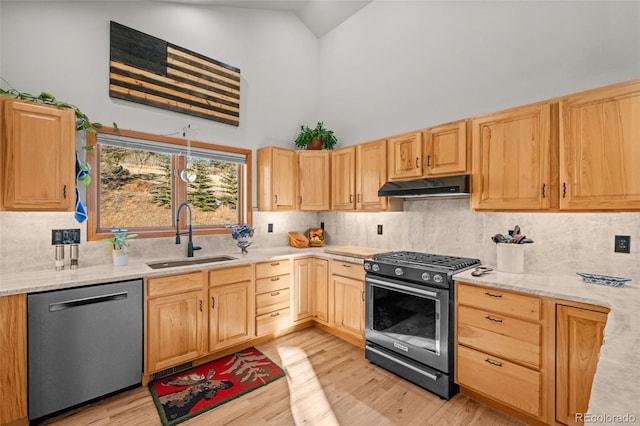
[186,262]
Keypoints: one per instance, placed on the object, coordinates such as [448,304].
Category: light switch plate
[622,244]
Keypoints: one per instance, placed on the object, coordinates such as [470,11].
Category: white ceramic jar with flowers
[242,234]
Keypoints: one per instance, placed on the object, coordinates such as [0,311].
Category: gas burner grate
[452,263]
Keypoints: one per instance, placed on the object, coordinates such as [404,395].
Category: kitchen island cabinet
[231,307]
[174,320]
[600,149]
[37,157]
[13,358]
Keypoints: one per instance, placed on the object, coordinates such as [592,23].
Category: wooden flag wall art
[151,71]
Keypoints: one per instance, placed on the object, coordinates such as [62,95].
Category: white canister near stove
[511,258]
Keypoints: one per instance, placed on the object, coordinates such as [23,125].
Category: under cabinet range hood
[446,186]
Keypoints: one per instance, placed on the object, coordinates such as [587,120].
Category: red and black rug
[192,392]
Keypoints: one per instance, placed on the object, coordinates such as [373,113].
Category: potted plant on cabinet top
[318,138]
[118,245]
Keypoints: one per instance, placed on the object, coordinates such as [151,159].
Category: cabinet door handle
[275,279]
[358,197]
[544,190]
[428,161]
[276,199]
[346,266]
[564,189]
[213,302]
[496,363]
[64,191]
[417,162]
[493,295]
[351,198]
[490,318]
[200,305]
[275,314]
[275,293]
[363,295]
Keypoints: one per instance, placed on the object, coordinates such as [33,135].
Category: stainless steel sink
[191,261]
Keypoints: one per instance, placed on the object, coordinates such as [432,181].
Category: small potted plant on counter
[119,244]
[318,138]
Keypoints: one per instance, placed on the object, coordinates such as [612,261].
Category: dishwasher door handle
[68,304]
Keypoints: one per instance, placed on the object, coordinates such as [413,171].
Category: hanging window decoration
[151,71]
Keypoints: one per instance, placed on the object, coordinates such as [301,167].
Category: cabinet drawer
[230,275]
[500,335]
[272,322]
[272,301]
[270,269]
[499,301]
[264,285]
[174,284]
[347,269]
[517,386]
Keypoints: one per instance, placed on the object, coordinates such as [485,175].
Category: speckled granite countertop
[45,280]
[617,379]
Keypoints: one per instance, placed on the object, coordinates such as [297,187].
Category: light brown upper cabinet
[314,172]
[600,149]
[37,156]
[371,174]
[357,173]
[405,156]
[446,149]
[512,154]
[343,178]
[277,179]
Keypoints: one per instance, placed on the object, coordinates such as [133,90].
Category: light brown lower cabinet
[174,320]
[346,299]
[231,306]
[531,357]
[579,338]
[310,290]
[273,289]
[13,358]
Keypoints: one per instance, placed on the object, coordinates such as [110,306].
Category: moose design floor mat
[184,395]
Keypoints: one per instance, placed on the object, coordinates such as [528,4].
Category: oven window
[410,318]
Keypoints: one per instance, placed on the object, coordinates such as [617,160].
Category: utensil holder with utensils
[511,258]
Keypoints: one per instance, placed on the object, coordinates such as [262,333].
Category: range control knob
[367,266]
[438,278]
[375,267]
[426,276]
[399,271]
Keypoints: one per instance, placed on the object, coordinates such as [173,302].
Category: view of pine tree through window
[135,181]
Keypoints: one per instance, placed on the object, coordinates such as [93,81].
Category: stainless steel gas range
[409,316]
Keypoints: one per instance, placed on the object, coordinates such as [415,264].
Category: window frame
[95,233]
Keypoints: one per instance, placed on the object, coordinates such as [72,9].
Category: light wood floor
[328,382]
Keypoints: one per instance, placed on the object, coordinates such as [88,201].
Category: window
[139,180]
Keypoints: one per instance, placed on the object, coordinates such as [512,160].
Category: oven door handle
[433,377]
[403,288]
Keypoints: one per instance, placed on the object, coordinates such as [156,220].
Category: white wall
[63,47]
[401,65]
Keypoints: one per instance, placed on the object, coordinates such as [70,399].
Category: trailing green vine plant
[82,121]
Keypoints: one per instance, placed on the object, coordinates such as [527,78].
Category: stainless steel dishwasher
[83,343]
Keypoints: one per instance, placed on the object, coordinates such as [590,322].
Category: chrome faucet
[190,246]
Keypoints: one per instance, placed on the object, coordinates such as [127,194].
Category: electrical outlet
[322,225]
[379,229]
[622,244]
[270,227]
